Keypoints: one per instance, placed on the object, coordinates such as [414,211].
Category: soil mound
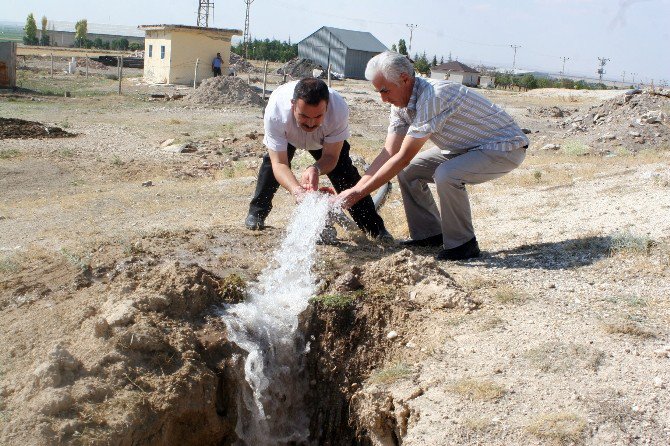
[632,119]
[228,90]
[420,278]
[18,128]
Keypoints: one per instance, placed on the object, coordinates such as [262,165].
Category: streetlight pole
[514,47]
[411,27]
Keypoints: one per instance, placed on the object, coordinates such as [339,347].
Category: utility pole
[411,27]
[246,29]
[633,75]
[602,61]
[563,69]
[514,47]
[623,77]
[203,13]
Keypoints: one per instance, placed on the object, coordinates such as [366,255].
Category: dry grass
[559,428]
[629,328]
[391,373]
[476,389]
[557,357]
[509,295]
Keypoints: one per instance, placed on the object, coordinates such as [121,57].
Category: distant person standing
[216,65]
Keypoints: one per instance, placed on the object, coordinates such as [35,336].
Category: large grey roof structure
[356,40]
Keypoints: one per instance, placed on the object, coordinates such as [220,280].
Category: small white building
[486,81]
[456,72]
[171,52]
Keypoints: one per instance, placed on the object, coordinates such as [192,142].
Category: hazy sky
[633,34]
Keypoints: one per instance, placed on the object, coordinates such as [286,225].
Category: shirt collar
[411,105]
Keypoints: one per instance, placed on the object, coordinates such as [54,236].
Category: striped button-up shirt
[456,118]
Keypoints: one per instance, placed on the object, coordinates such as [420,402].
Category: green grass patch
[6,154]
[575,148]
[629,243]
[340,300]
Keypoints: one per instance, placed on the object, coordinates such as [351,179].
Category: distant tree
[450,59]
[97,43]
[402,47]
[434,62]
[30,29]
[105,45]
[421,64]
[80,32]
[394,48]
[134,46]
[441,60]
[528,81]
[44,39]
[272,50]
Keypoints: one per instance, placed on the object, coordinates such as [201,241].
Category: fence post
[120,72]
[86,65]
[52,65]
[195,76]
[329,67]
[265,78]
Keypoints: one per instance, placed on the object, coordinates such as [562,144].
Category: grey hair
[390,65]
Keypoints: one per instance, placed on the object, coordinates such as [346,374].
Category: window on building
[162,51]
[151,50]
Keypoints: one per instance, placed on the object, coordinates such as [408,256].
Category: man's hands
[310,178]
[348,198]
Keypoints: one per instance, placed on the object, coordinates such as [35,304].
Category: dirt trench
[138,357]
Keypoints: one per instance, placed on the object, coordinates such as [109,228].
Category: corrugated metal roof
[357,40]
[454,66]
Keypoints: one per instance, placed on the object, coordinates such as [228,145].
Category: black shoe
[254,223]
[383,236]
[435,240]
[467,250]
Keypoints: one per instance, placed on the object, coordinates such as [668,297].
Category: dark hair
[312,91]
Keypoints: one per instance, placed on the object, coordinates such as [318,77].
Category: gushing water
[270,410]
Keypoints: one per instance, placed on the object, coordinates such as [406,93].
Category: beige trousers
[450,173]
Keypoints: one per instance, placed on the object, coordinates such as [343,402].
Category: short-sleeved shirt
[456,118]
[216,63]
[282,129]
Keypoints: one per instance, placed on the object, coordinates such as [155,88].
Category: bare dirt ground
[115,245]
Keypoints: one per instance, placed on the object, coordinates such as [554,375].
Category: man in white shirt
[475,141]
[307,114]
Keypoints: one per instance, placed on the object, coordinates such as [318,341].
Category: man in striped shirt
[475,141]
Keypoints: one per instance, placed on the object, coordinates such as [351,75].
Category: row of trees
[30,37]
[530,82]
[272,50]
[80,37]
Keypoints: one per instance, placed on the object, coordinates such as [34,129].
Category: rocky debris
[349,281]
[228,90]
[92,64]
[550,112]
[239,64]
[20,129]
[551,147]
[299,68]
[631,119]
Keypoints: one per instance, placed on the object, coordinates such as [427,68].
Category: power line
[563,69]
[246,29]
[514,47]
[203,13]
[411,27]
[602,61]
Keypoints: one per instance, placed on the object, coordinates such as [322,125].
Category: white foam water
[270,407]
